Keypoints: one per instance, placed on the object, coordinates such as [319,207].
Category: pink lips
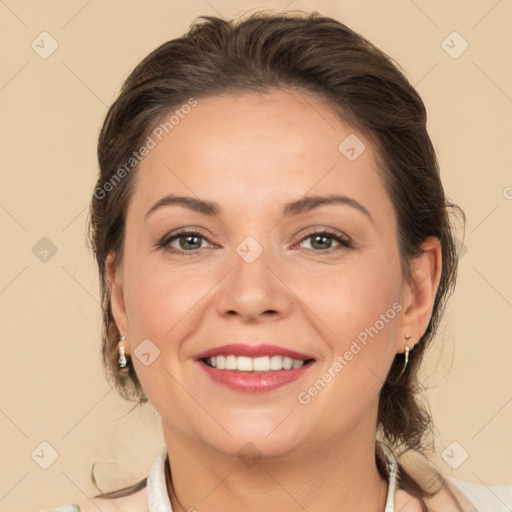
[253,382]
[238,349]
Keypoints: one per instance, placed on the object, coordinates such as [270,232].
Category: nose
[254,290]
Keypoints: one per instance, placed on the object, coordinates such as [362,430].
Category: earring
[407,350]
[122,357]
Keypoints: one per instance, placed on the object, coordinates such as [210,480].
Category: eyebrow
[292,208]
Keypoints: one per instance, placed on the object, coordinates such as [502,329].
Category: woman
[275,255]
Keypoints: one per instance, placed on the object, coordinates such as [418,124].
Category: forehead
[248,149]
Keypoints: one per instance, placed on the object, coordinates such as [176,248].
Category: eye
[322,240]
[185,241]
[191,241]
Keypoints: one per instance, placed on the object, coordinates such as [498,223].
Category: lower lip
[254,382]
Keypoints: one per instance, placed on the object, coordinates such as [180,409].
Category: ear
[114,274]
[419,293]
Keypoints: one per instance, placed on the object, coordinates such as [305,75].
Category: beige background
[52,387]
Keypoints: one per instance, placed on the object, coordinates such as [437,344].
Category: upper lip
[239,349]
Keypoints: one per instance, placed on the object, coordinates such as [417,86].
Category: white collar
[158,499]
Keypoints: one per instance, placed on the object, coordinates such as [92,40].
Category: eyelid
[175,234]
[343,239]
[311,230]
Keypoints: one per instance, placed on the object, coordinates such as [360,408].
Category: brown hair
[308,53]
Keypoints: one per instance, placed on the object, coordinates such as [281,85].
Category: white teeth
[261,364]
[254,364]
[244,364]
[276,362]
[230,363]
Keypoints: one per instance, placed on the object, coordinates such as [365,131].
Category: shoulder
[486,498]
[459,496]
[452,495]
[136,502]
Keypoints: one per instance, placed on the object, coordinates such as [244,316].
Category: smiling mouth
[255,364]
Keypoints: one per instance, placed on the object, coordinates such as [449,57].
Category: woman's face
[253,273]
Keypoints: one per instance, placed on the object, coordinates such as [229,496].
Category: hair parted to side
[308,53]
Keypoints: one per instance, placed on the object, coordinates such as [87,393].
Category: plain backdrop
[52,389]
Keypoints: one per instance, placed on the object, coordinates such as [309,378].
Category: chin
[256,438]
[250,449]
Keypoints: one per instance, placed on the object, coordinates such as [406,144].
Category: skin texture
[251,154]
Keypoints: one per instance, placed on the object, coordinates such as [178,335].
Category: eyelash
[342,240]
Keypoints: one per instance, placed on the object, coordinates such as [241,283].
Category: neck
[341,477]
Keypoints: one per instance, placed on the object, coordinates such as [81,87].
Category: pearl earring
[122,357]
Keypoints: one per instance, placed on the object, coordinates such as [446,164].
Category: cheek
[349,298]
[358,310]
[155,301]
[361,311]
[161,298]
